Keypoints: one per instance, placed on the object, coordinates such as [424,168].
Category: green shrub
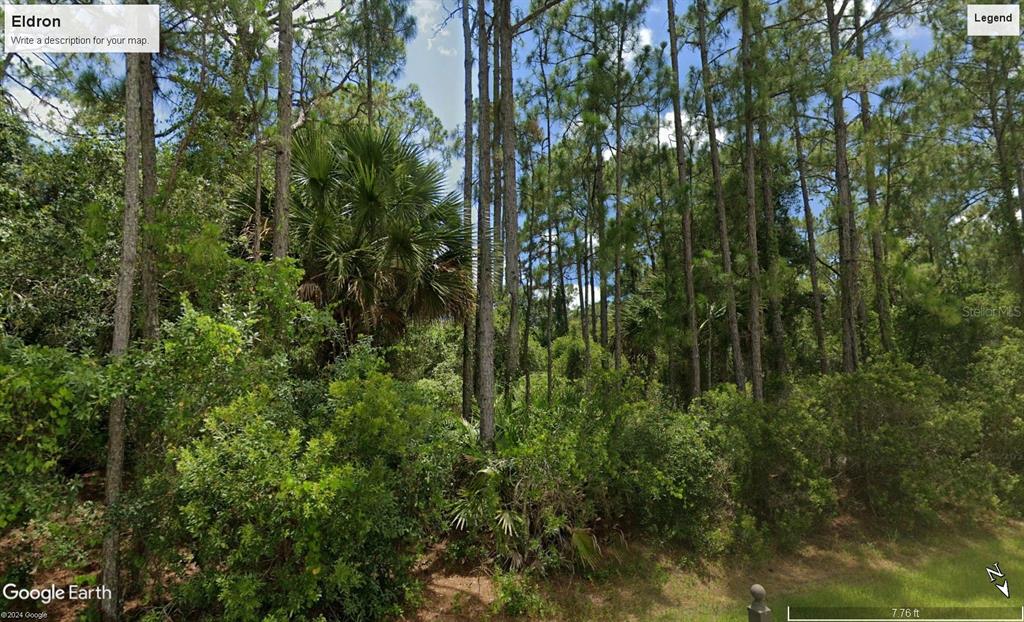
[670,477]
[997,393]
[904,451]
[284,522]
[50,407]
[517,595]
[775,457]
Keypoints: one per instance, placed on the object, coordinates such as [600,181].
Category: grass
[848,568]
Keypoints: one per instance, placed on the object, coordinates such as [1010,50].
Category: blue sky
[435,56]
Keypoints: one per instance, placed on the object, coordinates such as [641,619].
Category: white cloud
[51,118]
[868,6]
[318,9]
[694,130]
[429,16]
[644,37]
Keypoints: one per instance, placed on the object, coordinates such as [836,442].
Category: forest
[321,302]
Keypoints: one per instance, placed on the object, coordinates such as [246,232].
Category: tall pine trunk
[617,251]
[283,156]
[258,202]
[684,198]
[874,216]
[847,214]
[756,369]
[368,32]
[467,206]
[778,328]
[150,293]
[531,225]
[550,237]
[508,161]
[716,175]
[812,252]
[111,607]
[595,250]
[497,169]
[583,279]
[485,309]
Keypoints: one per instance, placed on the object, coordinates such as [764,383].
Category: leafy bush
[903,451]
[997,381]
[671,478]
[599,460]
[517,595]
[50,402]
[775,457]
[282,522]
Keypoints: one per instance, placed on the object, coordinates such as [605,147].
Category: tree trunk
[617,250]
[563,298]
[756,370]
[497,168]
[467,206]
[617,272]
[847,215]
[583,278]
[150,293]
[716,174]
[550,227]
[874,217]
[771,229]
[283,158]
[531,225]
[508,161]
[485,309]
[812,252]
[111,607]
[598,256]
[257,253]
[683,195]
[368,32]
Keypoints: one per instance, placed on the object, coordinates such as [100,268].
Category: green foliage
[50,404]
[375,232]
[597,460]
[904,451]
[59,211]
[284,522]
[430,355]
[997,391]
[517,595]
[671,477]
[776,456]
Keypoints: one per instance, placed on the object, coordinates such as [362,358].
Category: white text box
[993,20]
[64,29]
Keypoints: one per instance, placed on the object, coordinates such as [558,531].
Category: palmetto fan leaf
[375,230]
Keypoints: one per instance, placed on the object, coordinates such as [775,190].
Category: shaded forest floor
[846,566]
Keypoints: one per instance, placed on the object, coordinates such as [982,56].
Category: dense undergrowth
[264,486]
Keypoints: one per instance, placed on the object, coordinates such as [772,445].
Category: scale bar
[789,618]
